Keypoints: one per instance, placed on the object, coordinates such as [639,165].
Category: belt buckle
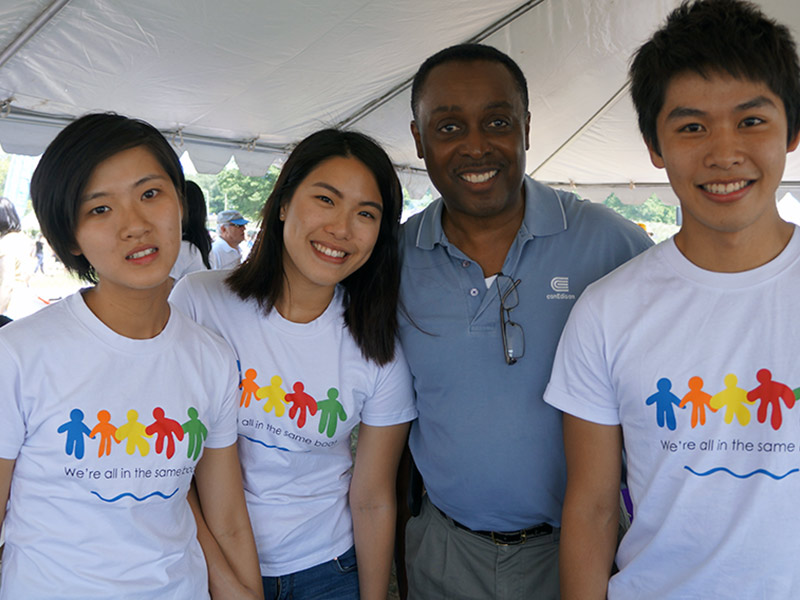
[523,535]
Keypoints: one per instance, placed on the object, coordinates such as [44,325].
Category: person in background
[225,252]
[111,401]
[312,317]
[15,255]
[39,253]
[195,241]
[686,357]
[490,272]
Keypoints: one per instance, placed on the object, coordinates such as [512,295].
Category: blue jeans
[336,579]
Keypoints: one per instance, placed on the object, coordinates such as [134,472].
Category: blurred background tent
[247,78]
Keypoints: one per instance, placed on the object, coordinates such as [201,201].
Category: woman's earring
[282,216]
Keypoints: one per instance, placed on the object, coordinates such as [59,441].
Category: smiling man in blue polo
[490,272]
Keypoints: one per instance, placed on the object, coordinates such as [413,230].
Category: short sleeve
[580,383]
[393,400]
[12,422]
[224,429]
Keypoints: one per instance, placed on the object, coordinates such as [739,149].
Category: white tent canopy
[248,78]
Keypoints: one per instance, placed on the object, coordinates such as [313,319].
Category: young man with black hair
[687,355]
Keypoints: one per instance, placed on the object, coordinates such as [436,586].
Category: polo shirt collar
[544,215]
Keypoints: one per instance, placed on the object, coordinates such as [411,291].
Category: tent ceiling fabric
[249,78]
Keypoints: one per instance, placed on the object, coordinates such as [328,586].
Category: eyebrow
[680,112]
[137,183]
[332,189]
[457,107]
[756,102]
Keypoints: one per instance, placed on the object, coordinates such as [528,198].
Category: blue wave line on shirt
[762,471]
[142,499]
[269,446]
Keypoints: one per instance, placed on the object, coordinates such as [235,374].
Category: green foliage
[5,160]
[231,189]
[414,205]
[651,210]
[208,183]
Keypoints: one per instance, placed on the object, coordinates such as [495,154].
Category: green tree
[5,160]
[208,183]
[243,193]
[651,210]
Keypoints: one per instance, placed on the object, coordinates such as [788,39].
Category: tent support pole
[31,30]
[578,132]
[376,103]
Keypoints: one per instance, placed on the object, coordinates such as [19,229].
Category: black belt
[510,538]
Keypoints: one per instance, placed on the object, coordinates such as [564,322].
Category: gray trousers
[446,562]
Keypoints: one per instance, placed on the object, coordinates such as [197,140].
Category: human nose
[134,221]
[339,225]
[475,144]
[724,150]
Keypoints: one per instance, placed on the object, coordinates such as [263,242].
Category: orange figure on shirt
[106,431]
[699,400]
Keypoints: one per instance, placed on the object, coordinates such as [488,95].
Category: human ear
[417,139]
[793,143]
[655,156]
[528,131]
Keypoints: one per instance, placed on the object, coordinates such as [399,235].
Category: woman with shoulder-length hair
[113,403]
[311,315]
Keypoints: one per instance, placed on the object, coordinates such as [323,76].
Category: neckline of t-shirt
[332,314]
[105,334]
[687,269]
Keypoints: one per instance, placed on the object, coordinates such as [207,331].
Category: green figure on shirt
[330,411]
[197,433]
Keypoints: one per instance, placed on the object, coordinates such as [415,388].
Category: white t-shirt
[88,516]
[189,260]
[223,256]
[686,360]
[304,388]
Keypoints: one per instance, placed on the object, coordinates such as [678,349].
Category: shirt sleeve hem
[568,405]
[388,420]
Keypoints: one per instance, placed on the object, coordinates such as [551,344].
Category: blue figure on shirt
[664,399]
[75,429]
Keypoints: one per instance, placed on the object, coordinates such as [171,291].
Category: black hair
[372,290]
[715,36]
[9,219]
[194,221]
[60,178]
[467,53]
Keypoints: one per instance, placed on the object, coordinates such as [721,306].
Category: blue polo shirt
[490,450]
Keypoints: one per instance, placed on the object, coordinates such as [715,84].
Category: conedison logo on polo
[560,285]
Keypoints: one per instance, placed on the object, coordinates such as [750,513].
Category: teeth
[328,251]
[724,188]
[478,177]
[143,253]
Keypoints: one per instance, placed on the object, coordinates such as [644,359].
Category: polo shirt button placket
[474,292]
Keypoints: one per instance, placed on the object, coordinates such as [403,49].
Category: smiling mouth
[722,189]
[478,177]
[328,251]
[142,253]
